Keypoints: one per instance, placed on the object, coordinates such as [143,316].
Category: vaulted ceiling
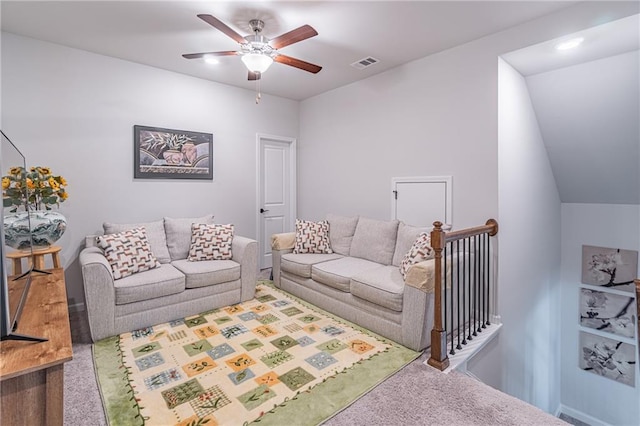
[587,103]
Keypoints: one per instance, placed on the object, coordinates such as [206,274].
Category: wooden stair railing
[476,240]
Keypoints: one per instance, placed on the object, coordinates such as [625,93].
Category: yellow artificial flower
[53,184]
[43,190]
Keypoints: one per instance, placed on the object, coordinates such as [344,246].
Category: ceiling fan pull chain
[258,94]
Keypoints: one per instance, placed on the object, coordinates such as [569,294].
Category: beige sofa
[177,289]
[361,280]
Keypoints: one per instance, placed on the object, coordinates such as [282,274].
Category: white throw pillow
[420,251]
[312,237]
[128,252]
[210,242]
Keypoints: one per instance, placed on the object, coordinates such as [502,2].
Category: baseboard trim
[578,415]
[76,307]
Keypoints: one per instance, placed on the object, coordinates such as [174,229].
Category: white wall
[603,225]
[74,111]
[529,249]
[433,116]
[439,116]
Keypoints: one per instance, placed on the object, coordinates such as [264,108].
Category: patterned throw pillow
[128,252]
[420,251]
[312,237]
[210,242]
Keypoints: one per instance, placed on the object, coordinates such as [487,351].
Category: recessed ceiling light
[569,44]
[210,59]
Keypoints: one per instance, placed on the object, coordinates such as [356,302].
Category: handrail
[490,228]
[439,241]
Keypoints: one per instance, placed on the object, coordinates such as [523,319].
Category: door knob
[263,210]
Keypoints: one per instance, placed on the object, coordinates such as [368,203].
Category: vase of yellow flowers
[30,196]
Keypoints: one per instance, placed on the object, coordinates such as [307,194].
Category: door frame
[260,139]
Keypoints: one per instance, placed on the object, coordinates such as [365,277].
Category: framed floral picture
[173,154]
[608,358]
[609,267]
[608,311]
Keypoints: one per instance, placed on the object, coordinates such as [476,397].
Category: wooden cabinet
[31,374]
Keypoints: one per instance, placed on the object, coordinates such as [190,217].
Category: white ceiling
[587,103]
[157,33]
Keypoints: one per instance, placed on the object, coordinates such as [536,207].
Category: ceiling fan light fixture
[210,59]
[257,62]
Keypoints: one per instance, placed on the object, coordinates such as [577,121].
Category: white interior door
[276,191]
[420,201]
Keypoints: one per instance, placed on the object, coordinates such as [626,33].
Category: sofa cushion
[300,264]
[210,242]
[312,237]
[208,272]
[383,286]
[407,234]
[375,240]
[127,252]
[420,251]
[158,282]
[179,234]
[155,236]
[338,273]
[341,230]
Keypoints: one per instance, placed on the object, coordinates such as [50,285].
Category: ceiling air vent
[364,63]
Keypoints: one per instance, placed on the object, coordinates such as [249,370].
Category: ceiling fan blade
[254,75]
[293,36]
[200,55]
[298,63]
[219,25]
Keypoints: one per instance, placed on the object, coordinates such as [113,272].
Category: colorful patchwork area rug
[272,360]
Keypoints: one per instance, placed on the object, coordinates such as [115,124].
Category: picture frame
[610,358]
[608,311]
[609,267]
[161,153]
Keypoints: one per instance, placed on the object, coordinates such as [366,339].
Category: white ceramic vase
[40,229]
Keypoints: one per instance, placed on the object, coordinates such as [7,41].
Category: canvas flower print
[606,311]
[609,267]
[608,358]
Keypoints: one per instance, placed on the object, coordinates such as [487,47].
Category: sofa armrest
[422,275]
[245,252]
[280,244]
[99,292]
[283,241]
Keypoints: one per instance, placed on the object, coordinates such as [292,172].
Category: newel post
[438,357]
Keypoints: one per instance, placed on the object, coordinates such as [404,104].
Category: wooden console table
[31,374]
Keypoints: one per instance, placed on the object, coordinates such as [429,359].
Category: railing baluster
[468,308]
[470,301]
[458,294]
[483,283]
[488,281]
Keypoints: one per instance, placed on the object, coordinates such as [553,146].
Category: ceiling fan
[258,52]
